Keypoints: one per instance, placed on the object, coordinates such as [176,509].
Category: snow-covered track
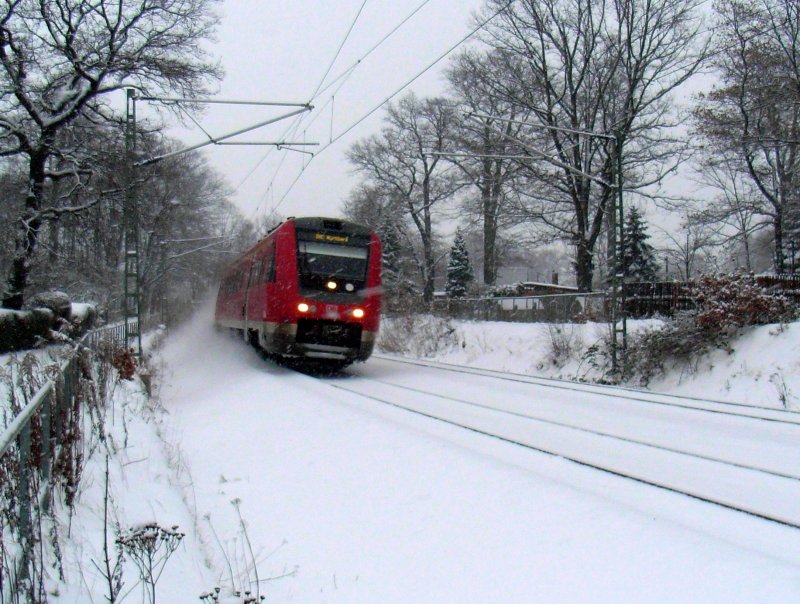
[734,459]
[606,434]
[622,392]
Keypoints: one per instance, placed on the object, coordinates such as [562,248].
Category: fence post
[24,502]
[48,448]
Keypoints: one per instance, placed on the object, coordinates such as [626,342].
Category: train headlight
[331,285]
[302,307]
[358,313]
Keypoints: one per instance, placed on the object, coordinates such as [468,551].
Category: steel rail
[719,502]
[20,422]
[600,433]
[783,416]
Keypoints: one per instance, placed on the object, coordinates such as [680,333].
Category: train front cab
[321,297]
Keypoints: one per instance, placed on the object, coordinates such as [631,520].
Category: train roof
[331,224]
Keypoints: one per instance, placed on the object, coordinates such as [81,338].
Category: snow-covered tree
[59,62]
[638,257]
[383,212]
[459,268]
[751,114]
[398,162]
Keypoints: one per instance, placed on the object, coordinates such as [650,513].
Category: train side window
[269,264]
[255,273]
[230,283]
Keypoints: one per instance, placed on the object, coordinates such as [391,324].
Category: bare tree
[398,161]
[754,114]
[473,77]
[183,229]
[738,211]
[596,81]
[59,59]
[690,249]
[188,230]
[384,212]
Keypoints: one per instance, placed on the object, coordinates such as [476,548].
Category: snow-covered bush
[729,302]
[56,301]
[83,316]
[565,343]
[507,291]
[417,335]
[725,305]
[22,329]
[676,344]
[53,319]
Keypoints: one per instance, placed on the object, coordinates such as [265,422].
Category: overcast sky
[279,51]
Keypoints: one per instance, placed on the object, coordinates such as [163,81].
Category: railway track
[740,458]
[685,402]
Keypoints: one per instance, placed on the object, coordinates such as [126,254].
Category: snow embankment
[762,369]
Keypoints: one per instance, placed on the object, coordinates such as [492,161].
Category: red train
[311,289]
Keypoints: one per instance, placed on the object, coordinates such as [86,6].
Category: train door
[262,274]
[251,263]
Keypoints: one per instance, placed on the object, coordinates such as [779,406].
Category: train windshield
[329,260]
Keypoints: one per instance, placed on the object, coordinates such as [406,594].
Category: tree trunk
[584,266]
[427,245]
[489,251]
[778,226]
[489,204]
[27,235]
[748,262]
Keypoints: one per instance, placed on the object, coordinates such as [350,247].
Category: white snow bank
[764,368]
[350,502]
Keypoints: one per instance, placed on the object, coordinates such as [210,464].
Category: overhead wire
[292,130]
[298,120]
[391,96]
[339,50]
[343,76]
[372,49]
[294,126]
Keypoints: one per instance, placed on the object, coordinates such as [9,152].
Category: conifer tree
[638,258]
[459,268]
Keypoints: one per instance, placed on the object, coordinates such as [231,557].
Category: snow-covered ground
[345,502]
[322,496]
[764,368]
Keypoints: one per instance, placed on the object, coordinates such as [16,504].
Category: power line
[343,76]
[391,96]
[338,50]
[380,42]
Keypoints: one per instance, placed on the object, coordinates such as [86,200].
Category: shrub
[725,304]
[678,343]
[729,302]
[82,318]
[565,343]
[53,319]
[124,361]
[417,335]
[507,291]
[23,329]
[56,301]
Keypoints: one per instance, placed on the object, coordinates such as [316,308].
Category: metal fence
[551,308]
[641,300]
[660,298]
[37,441]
